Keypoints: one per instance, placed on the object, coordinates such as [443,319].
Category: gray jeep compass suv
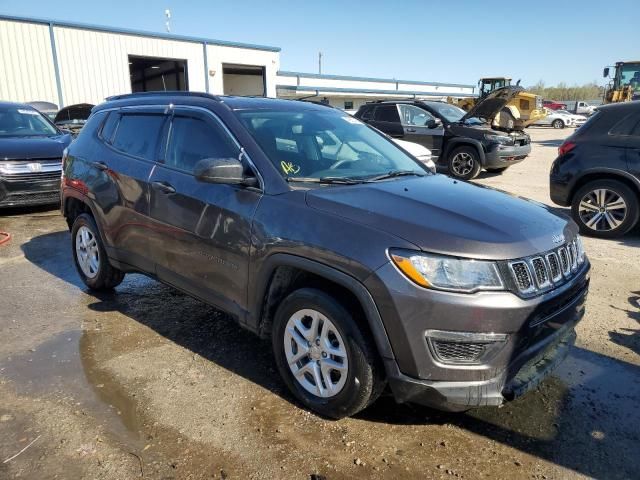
[314,230]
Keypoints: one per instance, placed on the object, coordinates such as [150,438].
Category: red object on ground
[4,237]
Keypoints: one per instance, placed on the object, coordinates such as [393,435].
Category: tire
[464,163]
[557,124]
[355,387]
[497,170]
[98,274]
[605,208]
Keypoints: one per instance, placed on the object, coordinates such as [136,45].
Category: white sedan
[418,151]
[556,119]
[578,120]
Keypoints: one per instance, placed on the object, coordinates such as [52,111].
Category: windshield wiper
[396,173]
[338,180]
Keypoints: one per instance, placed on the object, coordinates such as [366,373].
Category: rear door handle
[100,165]
[163,187]
[411,130]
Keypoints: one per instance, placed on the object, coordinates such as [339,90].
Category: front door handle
[100,165]
[163,187]
[411,130]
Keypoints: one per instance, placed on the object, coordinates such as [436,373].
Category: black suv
[319,233]
[465,142]
[597,171]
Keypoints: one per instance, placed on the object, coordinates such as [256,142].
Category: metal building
[69,63]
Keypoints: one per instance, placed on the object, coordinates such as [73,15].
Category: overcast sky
[446,41]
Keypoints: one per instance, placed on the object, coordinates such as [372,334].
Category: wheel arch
[283,273]
[605,174]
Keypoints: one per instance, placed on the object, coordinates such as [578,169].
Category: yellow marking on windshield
[289,167]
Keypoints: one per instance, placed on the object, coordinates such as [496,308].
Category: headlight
[580,250]
[501,139]
[427,162]
[447,273]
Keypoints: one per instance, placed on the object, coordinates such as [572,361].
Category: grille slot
[554,267]
[522,276]
[31,177]
[458,352]
[564,261]
[540,272]
[574,255]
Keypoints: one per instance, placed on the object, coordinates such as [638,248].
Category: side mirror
[433,123]
[229,171]
[605,72]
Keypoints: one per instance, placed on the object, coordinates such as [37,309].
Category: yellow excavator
[625,85]
[522,110]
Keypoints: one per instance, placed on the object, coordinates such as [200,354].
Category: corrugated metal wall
[95,65]
[26,63]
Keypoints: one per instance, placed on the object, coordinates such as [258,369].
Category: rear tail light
[565,148]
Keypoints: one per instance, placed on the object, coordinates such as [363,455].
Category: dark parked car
[30,156]
[315,231]
[597,171]
[463,141]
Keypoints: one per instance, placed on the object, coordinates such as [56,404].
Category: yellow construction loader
[625,85]
[524,109]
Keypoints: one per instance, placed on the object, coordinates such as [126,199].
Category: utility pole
[167,25]
[319,63]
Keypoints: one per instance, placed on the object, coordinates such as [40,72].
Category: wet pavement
[148,382]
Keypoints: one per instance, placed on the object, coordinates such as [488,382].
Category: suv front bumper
[539,332]
[500,156]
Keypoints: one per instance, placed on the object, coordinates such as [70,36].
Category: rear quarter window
[109,126]
[627,126]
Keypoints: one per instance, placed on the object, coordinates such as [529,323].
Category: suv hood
[73,114]
[28,148]
[488,107]
[442,215]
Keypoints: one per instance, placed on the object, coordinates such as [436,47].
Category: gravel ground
[147,382]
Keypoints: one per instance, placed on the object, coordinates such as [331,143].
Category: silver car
[556,119]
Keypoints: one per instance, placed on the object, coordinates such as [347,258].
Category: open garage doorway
[243,80]
[150,74]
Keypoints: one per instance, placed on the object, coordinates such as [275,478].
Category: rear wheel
[464,163]
[90,257]
[328,362]
[557,124]
[605,208]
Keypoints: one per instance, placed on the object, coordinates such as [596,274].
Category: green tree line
[562,91]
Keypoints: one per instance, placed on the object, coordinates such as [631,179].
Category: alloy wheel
[316,353]
[602,210]
[462,164]
[87,252]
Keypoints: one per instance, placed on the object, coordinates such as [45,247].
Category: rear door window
[387,113]
[137,134]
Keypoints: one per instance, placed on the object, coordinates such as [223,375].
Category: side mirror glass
[605,72]
[228,171]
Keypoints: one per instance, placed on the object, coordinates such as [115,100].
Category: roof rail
[163,94]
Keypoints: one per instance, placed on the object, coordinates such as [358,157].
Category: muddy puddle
[64,368]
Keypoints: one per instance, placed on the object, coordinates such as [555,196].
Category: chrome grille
[540,271]
[554,266]
[522,276]
[548,270]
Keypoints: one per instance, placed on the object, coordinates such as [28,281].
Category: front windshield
[451,113]
[325,145]
[24,122]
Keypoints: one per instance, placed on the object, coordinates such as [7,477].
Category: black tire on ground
[614,188]
[365,374]
[107,277]
[497,169]
[464,163]
[557,124]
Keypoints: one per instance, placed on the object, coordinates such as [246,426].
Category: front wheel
[90,257]
[605,208]
[328,362]
[464,163]
[557,124]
